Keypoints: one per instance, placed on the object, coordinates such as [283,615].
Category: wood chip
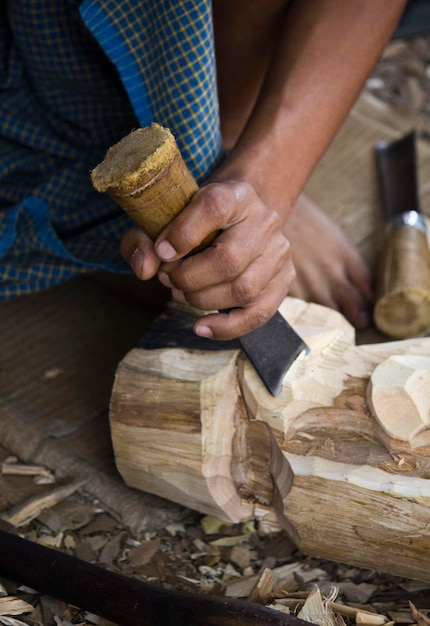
[420,618]
[352,612]
[102,523]
[227,542]
[111,550]
[20,469]
[368,619]
[264,587]
[69,514]
[394,49]
[241,555]
[319,611]
[62,622]
[69,542]
[279,607]
[11,621]
[14,606]
[413,586]
[415,91]
[175,529]
[23,513]
[401,617]
[85,552]
[97,542]
[360,593]
[286,576]
[52,607]
[143,554]
[213,526]
[51,541]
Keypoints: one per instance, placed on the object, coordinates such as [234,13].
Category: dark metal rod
[121,599]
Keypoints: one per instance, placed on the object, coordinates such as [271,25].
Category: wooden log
[200,428]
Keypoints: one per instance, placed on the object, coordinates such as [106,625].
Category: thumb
[137,249]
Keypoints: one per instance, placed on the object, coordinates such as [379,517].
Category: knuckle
[182,279]
[291,274]
[220,197]
[283,250]
[227,262]
[196,300]
[261,316]
[184,239]
[216,203]
[284,253]
[272,219]
[244,291]
[242,190]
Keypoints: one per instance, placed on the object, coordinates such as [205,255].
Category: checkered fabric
[75,78]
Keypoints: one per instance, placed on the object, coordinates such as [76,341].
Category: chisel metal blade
[397,169]
[272,349]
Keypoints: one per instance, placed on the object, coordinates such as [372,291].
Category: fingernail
[136,261]
[204,331]
[164,279]
[165,251]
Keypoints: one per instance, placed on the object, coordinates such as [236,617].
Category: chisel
[144,174]
[402,307]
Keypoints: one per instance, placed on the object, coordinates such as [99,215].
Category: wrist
[264,165]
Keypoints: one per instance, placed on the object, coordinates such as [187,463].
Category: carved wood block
[342,455]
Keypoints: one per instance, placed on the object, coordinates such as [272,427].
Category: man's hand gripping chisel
[145,175]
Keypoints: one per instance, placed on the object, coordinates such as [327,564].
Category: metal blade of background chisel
[396,161]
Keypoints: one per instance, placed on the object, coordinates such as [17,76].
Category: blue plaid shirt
[75,77]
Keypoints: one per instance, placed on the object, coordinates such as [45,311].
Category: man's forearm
[326,50]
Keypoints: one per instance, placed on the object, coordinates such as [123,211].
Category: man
[287,74]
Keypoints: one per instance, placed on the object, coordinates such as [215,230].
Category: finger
[137,250]
[241,321]
[297,290]
[340,294]
[353,305]
[212,208]
[361,276]
[246,289]
[234,251]
[315,284]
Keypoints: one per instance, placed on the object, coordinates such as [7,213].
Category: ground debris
[420,617]
[401,78]
[14,606]
[11,466]
[23,513]
[231,560]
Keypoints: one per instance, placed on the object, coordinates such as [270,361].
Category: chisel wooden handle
[402,306]
[145,174]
